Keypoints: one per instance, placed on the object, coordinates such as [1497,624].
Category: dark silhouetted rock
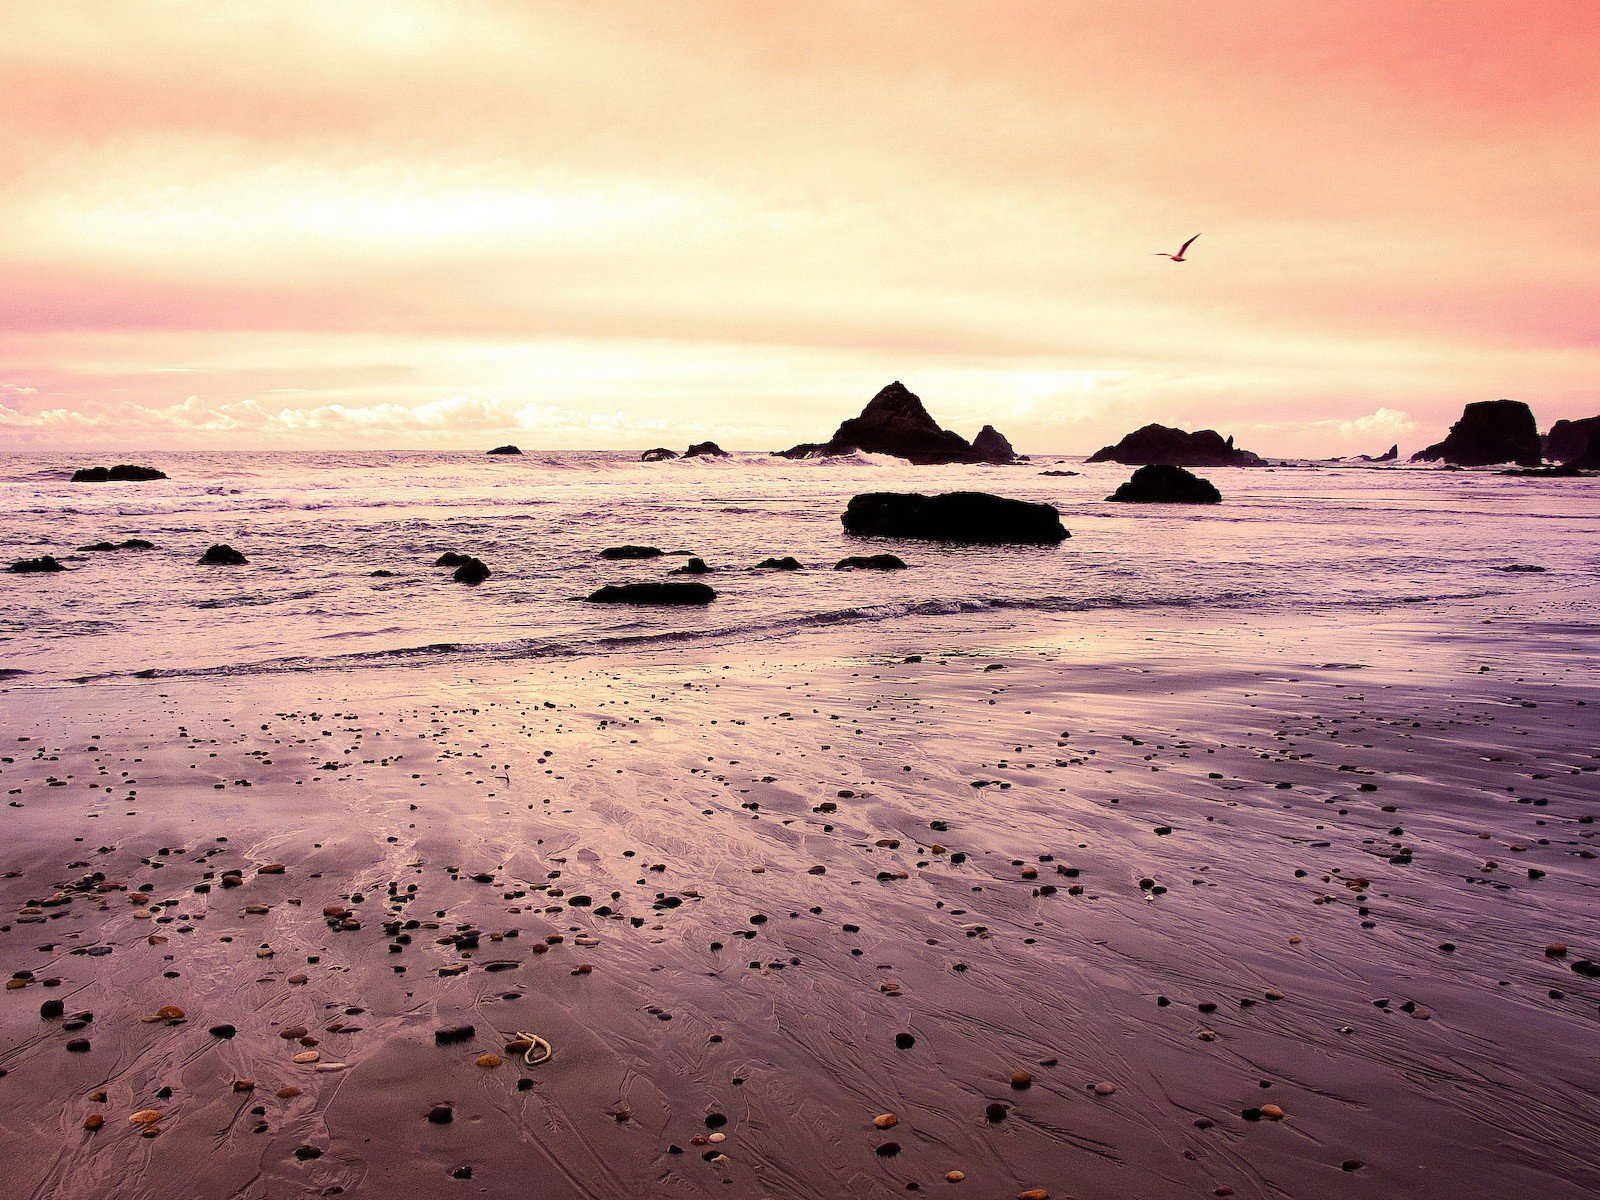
[105,547]
[1574,442]
[35,566]
[695,566]
[1389,455]
[1161,484]
[705,450]
[121,473]
[1522,569]
[1061,474]
[658,454]
[1489,431]
[223,556]
[870,562]
[972,517]
[653,593]
[786,563]
[1561,471]
[472,571]
[893,422]
[1161,445]
[620,552]
[382,574]
[506,449]
[991,446]
[450,559]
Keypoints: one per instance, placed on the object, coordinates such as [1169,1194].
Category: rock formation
[658,454]
[1162,484]
[970,517]
[705,450]
[695,566]
[615,553]
[471,571]
[653,593]
[35,566]
[121,473]
[786,563]
[1161,445]
[1575,442]
[506,449]
[870,562]
[991,446]
[223,556]
[894,422]
[1489,431]
[104,547]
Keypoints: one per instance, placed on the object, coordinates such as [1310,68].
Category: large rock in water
[1575,442]
[506,449]
[653,593]
[222,555]
[972,517]
[705,450]
[1489,431]
[43,565]
[991,446]
[893,422]
[658,454]
[1162,484]
[121,473]
[1161,445]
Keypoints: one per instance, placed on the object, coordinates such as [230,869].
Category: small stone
[307,1056]
[454,1033]
[51,1009]
[93,1121]
[1021,1080]
[904,1041]
[223,1031]
[1104,1088]
[287,1093]
[886,1120]
[1272,1112]
[244,1085]
[145,1116]
[954,1176]
[488,1061]
[1034,1194]
[441,1114]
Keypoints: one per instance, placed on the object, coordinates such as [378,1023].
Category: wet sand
[1264,911]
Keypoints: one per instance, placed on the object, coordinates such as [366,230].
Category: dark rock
[1166,485]
[104,547]
[1565,471]
[1489,431]
[705,450]
[695,566]
[471,571]
[121,473]
[506,449]
[35,566]
[1522,568]
[225,556]
[1161,445]
[1389,455]
[786,563]
[653,593]
[441,1114]
[450,559]
[223,1031]
[1061,474]
[51,1009]
[870,562]
[382,574]
[1574,442]
[991,446]
[619,552]
[451,1034]
[659,454]
[968,517]
[893,422]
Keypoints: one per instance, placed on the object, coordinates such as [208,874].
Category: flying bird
[1178,257]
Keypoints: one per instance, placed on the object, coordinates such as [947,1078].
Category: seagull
[1178,257]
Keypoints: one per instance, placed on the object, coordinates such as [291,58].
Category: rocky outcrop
[968,517]
[653,593]
[786,563]
[705,450]
[121,473]
[991,446]
[42,565]
[893,422]
[870,562]
[507,449]
[695,566]
[1061,474]
[658,454]
[1161,484]
[1161,445]
[223,556]
[1489,431]
[616,553]
[1389,455]
[105,547]
[1575,442]
[471,571]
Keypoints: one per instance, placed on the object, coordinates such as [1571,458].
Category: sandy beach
[1128,909]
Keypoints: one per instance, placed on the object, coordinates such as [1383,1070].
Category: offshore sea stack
[895,422]
[1576,443]
[975,518]
[1161,484]
[992,446]
[1489,431]
[1161,445]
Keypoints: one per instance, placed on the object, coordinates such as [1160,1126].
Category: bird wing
[1183,248]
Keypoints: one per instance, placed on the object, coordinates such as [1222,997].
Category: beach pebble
[93,1121]
[954,1176]
[145,1116]
[441,1114]
[1104,1088]
[1033,1194]
[488,1061]
[886,1120]
[307,1056]
[1021,1080]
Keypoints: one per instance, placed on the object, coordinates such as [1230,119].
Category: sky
[450,223]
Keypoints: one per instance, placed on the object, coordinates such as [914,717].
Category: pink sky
[452,222]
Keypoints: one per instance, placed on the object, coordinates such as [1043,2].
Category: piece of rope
[538,1050]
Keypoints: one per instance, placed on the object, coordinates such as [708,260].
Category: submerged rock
[471,571]
[695,566]
[1489,431]
[653,593]
[223,556]
[893,422]
[658,454]
[968,517]
[870,562]
[121,473]
[35,566]
[621,552]
[786,563]
[1162,484]
[506,449]
[106,547]
[1161,445]
[705,450]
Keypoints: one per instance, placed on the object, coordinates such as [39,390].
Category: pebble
[1034,1194]
[145,1116]
[93,1121]
[1021,1080]
[488,1061]
[886,1120]
[307,1056]
[954,1176]
[1104,1088]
